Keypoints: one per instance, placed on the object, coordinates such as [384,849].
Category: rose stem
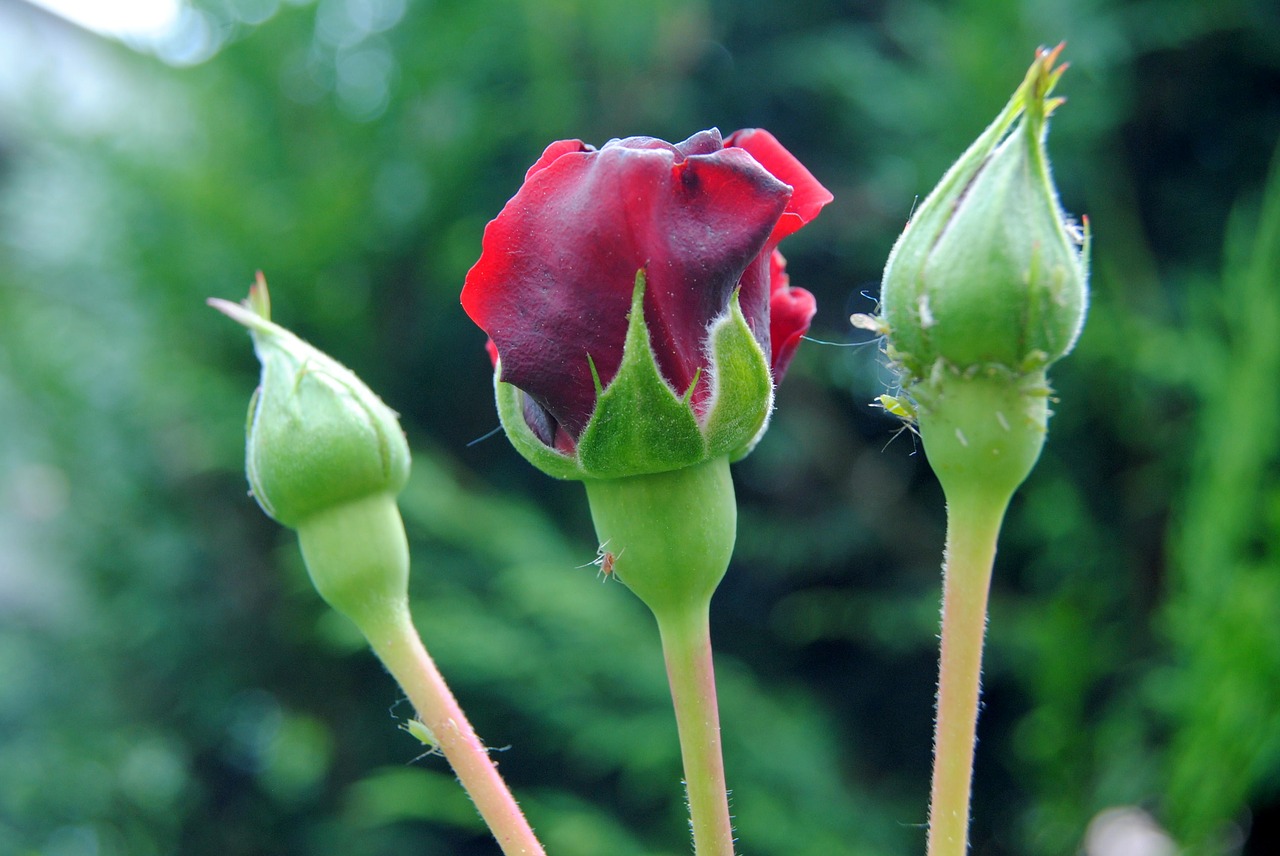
[397,644]
[686,646]
[973,525]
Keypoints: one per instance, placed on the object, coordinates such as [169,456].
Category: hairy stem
[973,525]
[686,644]
[397,644]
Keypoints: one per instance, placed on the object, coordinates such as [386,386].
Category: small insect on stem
[604,560]
[902,408]
[423,735]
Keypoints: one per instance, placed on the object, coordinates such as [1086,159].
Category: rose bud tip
[259,297]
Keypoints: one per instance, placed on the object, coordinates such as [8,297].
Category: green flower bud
[326,457]
[317,437]
[989,272]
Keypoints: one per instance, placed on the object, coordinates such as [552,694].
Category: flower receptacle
[670,534]
[357,556]
[982,430]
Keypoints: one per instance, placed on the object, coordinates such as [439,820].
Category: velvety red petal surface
[554,281]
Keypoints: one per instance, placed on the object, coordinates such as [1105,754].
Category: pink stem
[402,652]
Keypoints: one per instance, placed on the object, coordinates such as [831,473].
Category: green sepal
[317,436]
[741,387]
[902,309]
[511,412]
[1022,287]
[640,425]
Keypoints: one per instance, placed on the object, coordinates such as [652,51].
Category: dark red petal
[809,195]
[723,209]
[702,143]
[753,296]
[538,420]
[554,281]
[790,311]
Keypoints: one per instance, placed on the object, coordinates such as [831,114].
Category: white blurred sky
[133,20]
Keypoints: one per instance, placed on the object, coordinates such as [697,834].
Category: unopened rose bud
[317,437]
[990,272]
[326,457]
[984,289]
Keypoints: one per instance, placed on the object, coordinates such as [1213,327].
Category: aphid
[902,408]
[606,563]
[423,735]
[899,407]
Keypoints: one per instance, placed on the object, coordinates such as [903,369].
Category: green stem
[358,559]
[686,645]
[669,536]
[397,644]
[973,525]
[983,430]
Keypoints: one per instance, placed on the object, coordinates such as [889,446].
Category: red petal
[762,277]
[554,151]
[809,196]
[790,311]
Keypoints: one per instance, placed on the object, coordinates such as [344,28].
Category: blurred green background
[169,684]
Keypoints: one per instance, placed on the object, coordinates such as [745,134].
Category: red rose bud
[990,271]
[326,457]
[639,313]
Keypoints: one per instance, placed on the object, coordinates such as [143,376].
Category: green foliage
[171,684]
[1224,599]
